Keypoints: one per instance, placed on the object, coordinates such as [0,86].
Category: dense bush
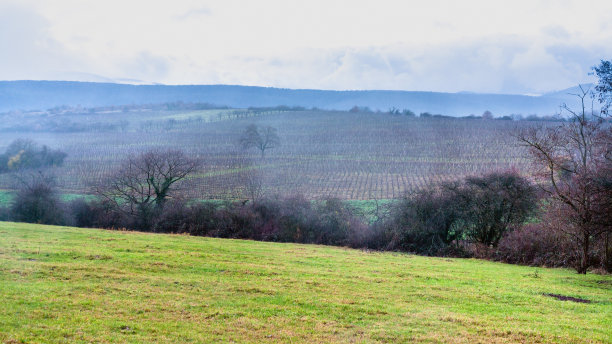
[481,217]
[176,217]
[296,220]
[437,220]
[5,213]
[538,245]
[333,223]
[440,219]
[26,154]
[427,222]
[292,219]
[37,202]
[493,204]
[98,214]
[552,242]
[287,219]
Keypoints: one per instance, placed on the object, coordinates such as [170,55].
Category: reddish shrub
[538,245]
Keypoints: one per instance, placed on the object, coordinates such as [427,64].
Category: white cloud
[28,50]
[487,46]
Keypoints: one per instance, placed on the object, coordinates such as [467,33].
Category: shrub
[334,220]
[37,202]
[597,254]
[438,218]
[493,204]
[538,245]
[206,219]
[5,213]
[175,217]
[426,222]
[297,220]
[98,214]
[290,219]
[26,154]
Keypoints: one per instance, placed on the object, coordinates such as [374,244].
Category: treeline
[227,114]
[495,216]
[67,126]
[168,106]
[487,115]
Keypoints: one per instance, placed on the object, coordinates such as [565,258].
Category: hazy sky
[480,46]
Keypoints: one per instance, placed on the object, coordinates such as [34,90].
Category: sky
[492,46]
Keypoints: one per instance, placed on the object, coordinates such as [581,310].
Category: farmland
[74,285]
[354,156]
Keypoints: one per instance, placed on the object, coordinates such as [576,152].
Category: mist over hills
[41,95]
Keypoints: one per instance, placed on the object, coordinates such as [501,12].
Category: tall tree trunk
[584,261]
[607,261]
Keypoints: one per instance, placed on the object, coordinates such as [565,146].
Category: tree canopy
[262,138]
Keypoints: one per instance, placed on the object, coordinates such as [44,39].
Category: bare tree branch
[144,182]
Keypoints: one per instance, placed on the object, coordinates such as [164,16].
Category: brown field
[323,154]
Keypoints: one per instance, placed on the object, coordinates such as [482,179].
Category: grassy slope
[79,285]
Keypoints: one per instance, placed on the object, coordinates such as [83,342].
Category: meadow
[352,156]
[73,285]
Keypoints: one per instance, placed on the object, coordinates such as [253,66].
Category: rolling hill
[41,95]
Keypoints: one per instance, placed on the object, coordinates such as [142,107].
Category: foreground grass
[67,285]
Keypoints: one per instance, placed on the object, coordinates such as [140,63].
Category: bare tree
[570,159]
[143,183]
[253,185]
[260,138]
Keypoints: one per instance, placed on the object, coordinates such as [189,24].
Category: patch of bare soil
[567,298]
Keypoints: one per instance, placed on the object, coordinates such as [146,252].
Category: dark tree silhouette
[494,204]
[477,209]
[37,200]
[143,183]
[262,138]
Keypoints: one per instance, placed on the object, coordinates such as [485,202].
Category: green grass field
[69,285]
[7,197]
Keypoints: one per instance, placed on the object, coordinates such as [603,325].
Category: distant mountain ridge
[41,95]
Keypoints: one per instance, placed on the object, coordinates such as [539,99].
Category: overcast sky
[480,46]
